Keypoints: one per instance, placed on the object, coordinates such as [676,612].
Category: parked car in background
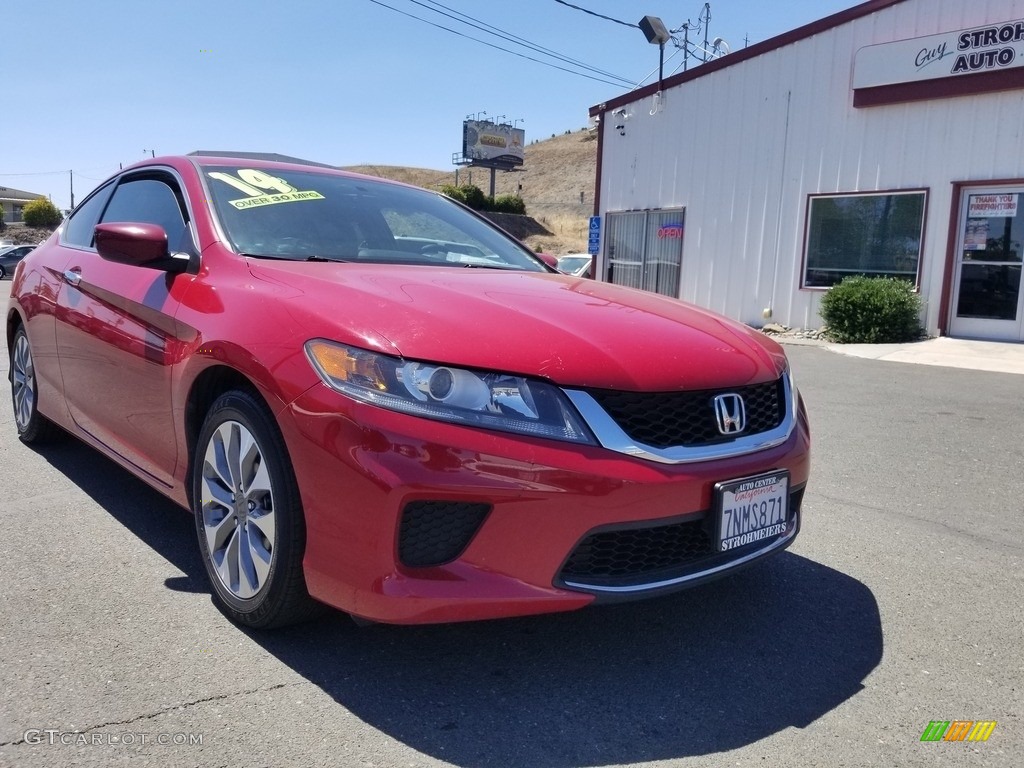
[576,264]
[370,397]
[10,256]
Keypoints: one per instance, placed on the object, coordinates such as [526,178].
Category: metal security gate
[644,249]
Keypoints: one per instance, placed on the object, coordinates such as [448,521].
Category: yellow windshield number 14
[262,189]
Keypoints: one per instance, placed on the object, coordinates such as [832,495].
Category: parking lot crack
[167,710]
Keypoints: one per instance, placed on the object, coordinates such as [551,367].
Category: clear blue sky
[90,85]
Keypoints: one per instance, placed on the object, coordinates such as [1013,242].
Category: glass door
[987,298]
[644,249]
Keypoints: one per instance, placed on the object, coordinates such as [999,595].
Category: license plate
[751,509]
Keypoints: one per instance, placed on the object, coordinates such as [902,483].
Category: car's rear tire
[248,515]
[33,427]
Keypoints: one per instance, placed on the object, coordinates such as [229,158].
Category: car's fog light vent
[437,532]
[635,551]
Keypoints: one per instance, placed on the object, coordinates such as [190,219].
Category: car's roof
[260,160]
[268,157]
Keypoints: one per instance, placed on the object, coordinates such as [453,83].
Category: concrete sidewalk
[996,356]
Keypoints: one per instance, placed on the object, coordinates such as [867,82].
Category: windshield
[572,262]
[307,215]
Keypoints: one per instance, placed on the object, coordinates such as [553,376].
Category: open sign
[670,231]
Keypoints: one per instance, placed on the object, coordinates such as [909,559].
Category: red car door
[116,339]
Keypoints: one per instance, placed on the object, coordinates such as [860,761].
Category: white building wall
[743,147]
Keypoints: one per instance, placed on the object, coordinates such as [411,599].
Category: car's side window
[79,230]
[151,201]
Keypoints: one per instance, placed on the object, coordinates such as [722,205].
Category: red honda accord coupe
[372,398]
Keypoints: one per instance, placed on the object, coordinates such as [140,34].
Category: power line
[599,15]
[496,47]
[40,173]
[490,29]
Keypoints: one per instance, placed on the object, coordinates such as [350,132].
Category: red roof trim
[942,88]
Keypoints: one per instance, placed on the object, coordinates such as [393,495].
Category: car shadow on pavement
[695,673]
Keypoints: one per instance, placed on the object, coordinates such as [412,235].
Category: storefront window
[874,234]
[644,249]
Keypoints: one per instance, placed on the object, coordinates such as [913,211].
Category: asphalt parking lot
[899,604]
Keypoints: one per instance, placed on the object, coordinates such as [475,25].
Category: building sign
[594,239]
[983,49]
[670,231]
[992,205]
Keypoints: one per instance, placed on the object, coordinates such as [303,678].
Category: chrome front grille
[681,427]
[667,419]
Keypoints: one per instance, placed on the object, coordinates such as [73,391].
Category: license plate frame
[767,492]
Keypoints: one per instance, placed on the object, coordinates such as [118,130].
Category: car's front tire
[33,427]
[248,515]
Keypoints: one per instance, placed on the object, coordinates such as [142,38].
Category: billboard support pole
[492,183]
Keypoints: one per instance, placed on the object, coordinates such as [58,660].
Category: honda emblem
[730,413]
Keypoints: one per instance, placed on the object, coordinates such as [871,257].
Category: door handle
[73,276]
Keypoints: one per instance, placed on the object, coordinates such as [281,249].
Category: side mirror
[139,245]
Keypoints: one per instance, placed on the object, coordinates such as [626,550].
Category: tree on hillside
[41,213]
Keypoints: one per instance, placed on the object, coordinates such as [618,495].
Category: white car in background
[576,264]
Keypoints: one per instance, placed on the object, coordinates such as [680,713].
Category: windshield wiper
[263,256]
[316,257]
[282,257]
[506,267]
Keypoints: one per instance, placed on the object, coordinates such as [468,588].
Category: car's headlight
[481,399]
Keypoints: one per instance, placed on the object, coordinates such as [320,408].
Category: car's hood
[573,331]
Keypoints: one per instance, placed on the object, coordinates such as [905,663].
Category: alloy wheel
[238,510]
[23,382]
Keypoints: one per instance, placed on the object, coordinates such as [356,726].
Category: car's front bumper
[361,468]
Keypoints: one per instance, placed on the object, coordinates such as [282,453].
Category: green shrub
[872,310]
[468,194]
[509,204]
[41,213]
[475,197]
[455,193]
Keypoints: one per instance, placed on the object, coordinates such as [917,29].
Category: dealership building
[887,139]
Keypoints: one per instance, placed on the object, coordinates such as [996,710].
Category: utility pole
[707,23]
[71,176]
[686,45]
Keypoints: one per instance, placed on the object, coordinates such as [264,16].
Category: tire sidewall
[289,543]
[35,426]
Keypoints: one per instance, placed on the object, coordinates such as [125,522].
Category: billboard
[492,144]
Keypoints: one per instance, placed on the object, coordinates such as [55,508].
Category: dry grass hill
[556,183]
